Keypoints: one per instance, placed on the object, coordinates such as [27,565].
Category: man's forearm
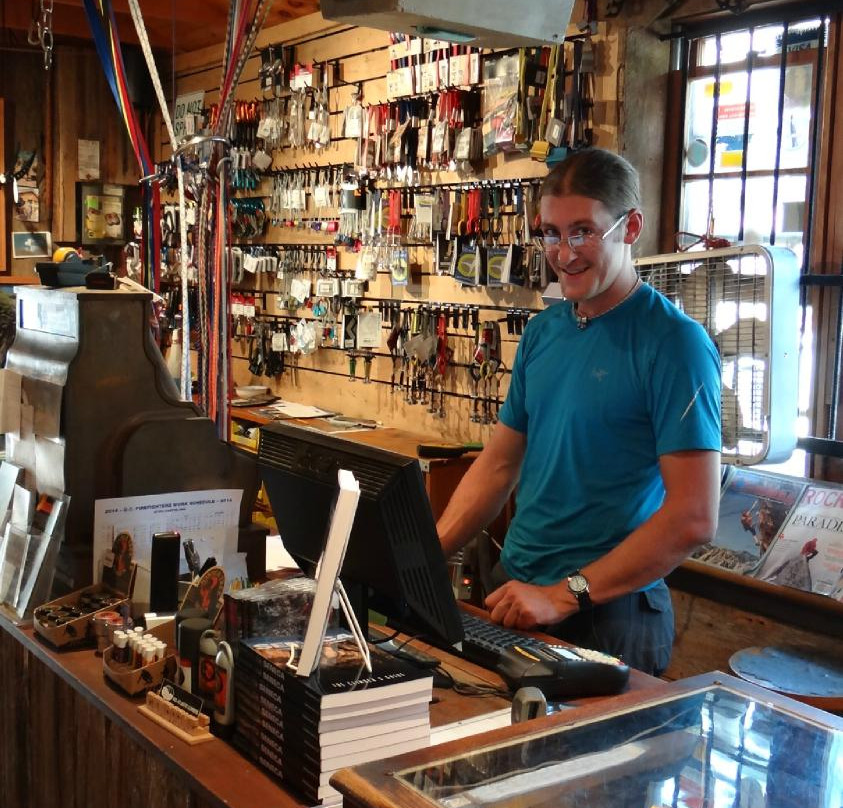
[686,519]
[484,489]
[477,500]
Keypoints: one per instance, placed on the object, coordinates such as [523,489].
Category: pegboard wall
[455,399]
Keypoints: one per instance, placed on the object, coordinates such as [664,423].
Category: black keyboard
[485,641]
[559,671]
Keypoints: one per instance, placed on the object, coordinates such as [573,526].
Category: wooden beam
[198,23]
[289,32]
[6,152]
[69,21]
[182,10]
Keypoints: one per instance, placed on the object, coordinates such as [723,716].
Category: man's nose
[564,254]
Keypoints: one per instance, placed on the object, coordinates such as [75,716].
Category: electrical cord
[459,686]
[383,640]
[463,688]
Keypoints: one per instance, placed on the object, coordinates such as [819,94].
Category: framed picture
[31,245]
[101,213]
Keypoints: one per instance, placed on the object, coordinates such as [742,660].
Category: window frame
[822,266]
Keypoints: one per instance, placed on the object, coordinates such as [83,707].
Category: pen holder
[134,680]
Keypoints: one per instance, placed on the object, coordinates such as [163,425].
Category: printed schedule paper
[209,518]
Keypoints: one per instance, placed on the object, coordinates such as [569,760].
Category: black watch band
[578,587]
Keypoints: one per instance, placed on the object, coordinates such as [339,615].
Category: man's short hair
[596,174]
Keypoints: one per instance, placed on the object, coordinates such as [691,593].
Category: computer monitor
[393,553]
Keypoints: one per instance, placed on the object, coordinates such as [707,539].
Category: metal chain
[41,32]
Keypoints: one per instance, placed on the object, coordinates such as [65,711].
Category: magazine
[753,507]
[808,552]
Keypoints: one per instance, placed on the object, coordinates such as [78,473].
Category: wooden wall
[6,148]
[23,84]
[322,378]
[52,111]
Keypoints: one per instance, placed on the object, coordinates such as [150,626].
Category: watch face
[577,584]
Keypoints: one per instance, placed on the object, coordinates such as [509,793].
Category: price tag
[327,287]
[353,288]
[279,341]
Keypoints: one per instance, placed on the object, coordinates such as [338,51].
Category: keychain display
[385,212]
[247,217]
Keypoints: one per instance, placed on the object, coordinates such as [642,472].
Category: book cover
[249,706]
[808,552]
[753,507]
[341,679]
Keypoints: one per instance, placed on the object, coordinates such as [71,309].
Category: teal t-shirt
[599,406]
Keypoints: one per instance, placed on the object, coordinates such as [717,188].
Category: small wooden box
[67,621]
[136,680]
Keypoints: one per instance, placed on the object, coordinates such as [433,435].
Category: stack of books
[303,729]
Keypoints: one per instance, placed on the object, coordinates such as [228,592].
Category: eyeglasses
[579,238]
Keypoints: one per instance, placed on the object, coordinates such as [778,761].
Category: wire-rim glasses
[578,239]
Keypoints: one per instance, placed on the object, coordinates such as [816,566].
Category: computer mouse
[563,672]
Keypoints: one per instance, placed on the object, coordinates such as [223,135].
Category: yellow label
[726,88]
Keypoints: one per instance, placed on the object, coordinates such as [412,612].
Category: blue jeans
[637,627]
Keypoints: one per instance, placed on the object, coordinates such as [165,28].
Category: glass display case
[706,742]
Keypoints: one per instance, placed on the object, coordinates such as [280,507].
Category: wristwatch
[578,587]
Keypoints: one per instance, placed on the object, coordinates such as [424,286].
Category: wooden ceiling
[172,25]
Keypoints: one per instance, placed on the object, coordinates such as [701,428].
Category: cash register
[94,373]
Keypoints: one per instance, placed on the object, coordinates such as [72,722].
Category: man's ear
[634,226]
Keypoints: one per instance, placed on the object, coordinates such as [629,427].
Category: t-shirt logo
[599,374]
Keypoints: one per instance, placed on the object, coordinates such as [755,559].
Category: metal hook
[199,140]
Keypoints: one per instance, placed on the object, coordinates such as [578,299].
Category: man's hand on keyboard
[524,606]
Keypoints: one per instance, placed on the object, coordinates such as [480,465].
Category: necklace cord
[584,319]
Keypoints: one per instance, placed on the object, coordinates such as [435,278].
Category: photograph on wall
[112,215]
[753,506]
[28,207]
[31,245]
[94,220]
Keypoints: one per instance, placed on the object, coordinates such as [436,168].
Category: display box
[136,680]
[68,620]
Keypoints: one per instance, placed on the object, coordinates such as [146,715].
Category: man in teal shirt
[611,430]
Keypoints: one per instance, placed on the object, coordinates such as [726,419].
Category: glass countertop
[712,748]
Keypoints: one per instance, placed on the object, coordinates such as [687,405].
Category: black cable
[462,688]
[383,640]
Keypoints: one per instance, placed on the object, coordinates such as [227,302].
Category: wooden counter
[70,739]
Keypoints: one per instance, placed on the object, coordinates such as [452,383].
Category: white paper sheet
[209,518]
[10,476]
[23,506]
[45,399]
[292,409]
[49,465]
[10,392]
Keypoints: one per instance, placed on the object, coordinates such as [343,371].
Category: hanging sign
[188,107]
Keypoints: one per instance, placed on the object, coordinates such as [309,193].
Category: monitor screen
[393,551]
